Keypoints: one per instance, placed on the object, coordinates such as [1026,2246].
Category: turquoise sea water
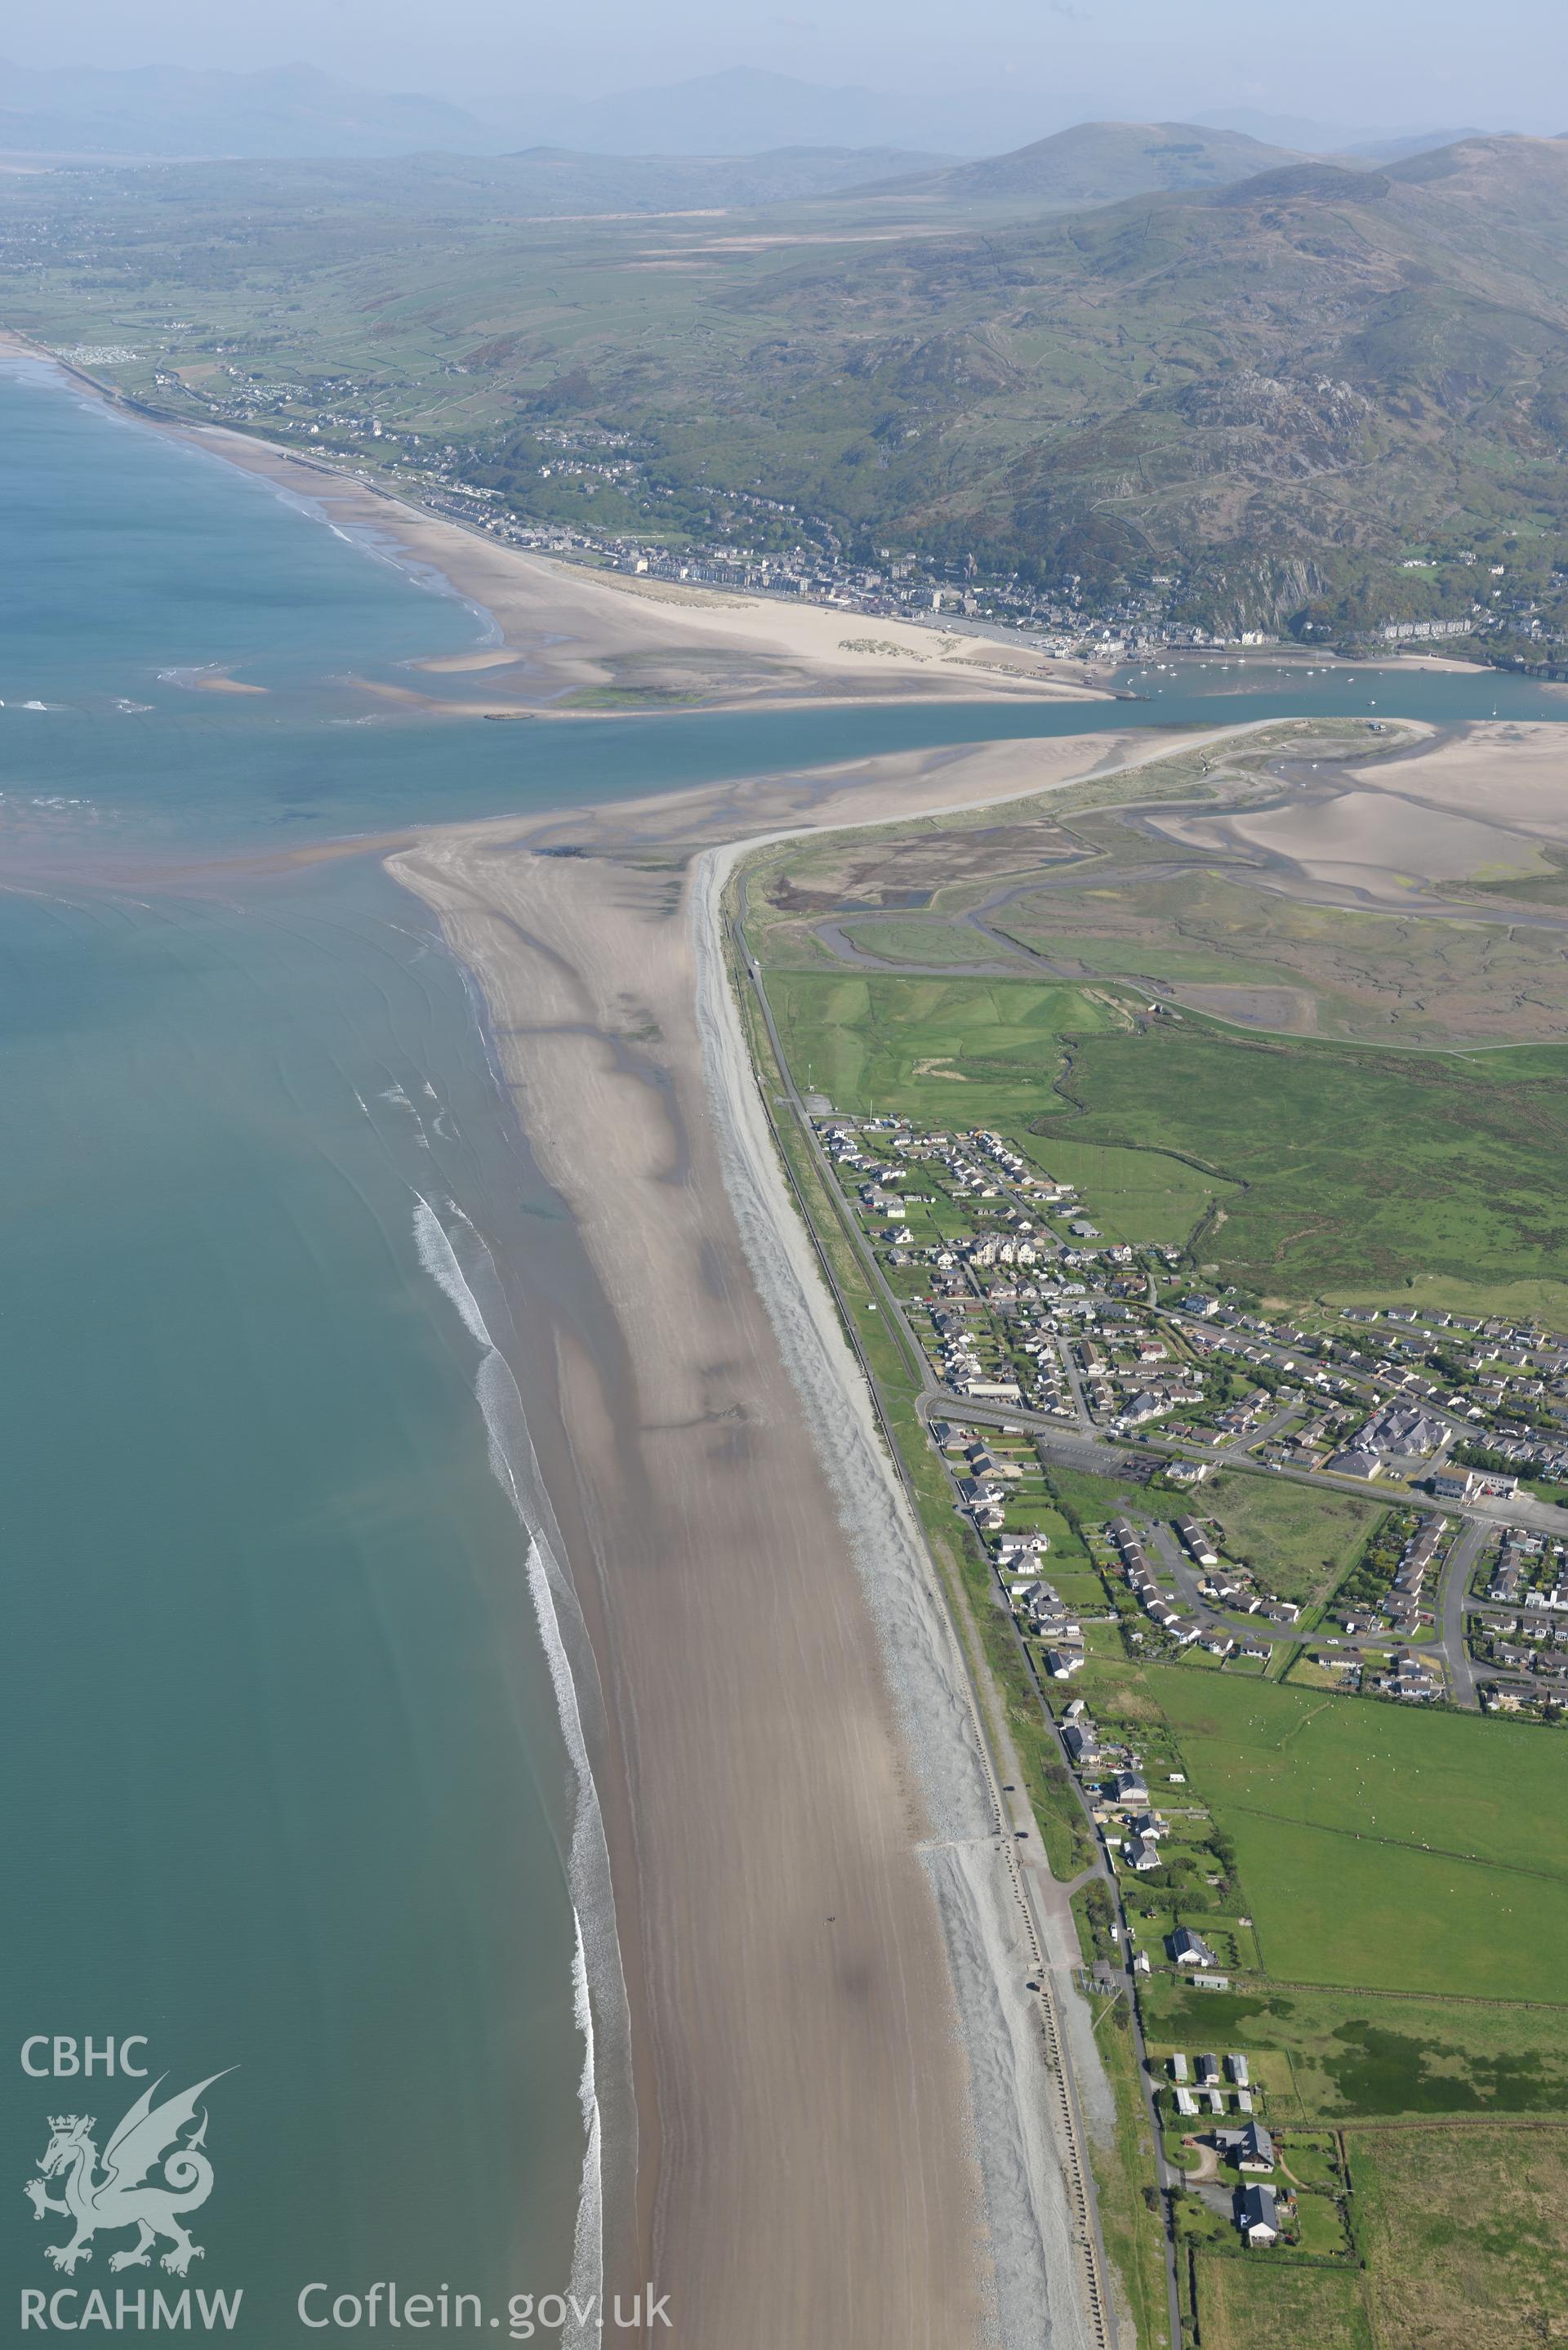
[290,1790]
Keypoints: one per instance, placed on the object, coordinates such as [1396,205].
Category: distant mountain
[1274,390]
[1265,395]
[296,111]
[1412,142]
[1309,136]
[171,110]
[1100,162]
[747,112]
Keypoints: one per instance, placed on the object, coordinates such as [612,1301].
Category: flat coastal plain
[843,2102]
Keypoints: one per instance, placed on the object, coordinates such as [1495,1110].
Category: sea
[300,1715]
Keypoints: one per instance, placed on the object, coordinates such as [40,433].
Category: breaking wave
[597,1982]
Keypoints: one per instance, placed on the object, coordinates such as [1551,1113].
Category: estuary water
[298,1705]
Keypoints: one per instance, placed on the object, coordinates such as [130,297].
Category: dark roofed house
[1254,2148]
[1082,1742]
[1257,2215]
[1189,1949]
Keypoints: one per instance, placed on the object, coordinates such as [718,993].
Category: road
[1075,1384]
[1457,1575]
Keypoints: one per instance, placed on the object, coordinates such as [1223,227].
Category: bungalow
[1140,1852]
[1257,2215]
[1189,1949]
[1129,1788]
[1082,1743]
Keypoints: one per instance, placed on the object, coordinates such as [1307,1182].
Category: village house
[1251,2149]
[1189,1949]
[1258,2215]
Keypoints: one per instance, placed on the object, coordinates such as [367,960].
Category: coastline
[571,640]
[841,2099]
[613,1013]
[686,646]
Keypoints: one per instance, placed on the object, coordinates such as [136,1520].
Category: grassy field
[1260,2303]
[1300,1542]
[922,942]
[1133,2235]
[930,1046]
[1333,1171]
[962,1053]
[1378,1848]
[1366,1173]
[1464,2236]
[1340,2054]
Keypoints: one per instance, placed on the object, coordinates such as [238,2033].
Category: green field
[1300,1541]
[1378,1848]
[1368,976]
[1346,2056]
[1364,1173]
[962,1053]
[931,1047]
[1464,2236]
[1333,1169]
[928,942]
[1258,2303]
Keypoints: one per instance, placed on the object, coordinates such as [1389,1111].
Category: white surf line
[597,1972]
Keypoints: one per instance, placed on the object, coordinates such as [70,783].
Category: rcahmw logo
[154,2172]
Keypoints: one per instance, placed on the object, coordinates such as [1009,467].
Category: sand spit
[856,2122]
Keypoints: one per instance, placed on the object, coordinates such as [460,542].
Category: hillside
[1100,162]
[1307,396]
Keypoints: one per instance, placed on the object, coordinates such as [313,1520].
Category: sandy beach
[574,638]
[849,2132]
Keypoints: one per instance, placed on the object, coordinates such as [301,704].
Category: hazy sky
[1395,62]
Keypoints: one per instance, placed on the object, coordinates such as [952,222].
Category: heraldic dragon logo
[124,2196]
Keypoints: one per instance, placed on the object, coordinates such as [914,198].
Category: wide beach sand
[848,2125]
